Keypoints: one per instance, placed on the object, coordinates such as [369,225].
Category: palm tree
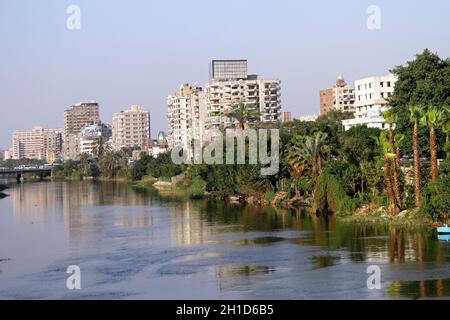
[432,119]
[445,127]
[391,118]
[101,146]
[414,118]
[84,164]
[109,163]
[243,114]
[384,146]
[311,152]
[297,165]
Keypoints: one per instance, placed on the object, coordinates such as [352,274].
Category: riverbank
[367,214]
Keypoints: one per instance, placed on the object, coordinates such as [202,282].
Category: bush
[436,199]
[331,198]
[197,189]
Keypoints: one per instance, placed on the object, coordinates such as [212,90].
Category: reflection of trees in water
[419,289]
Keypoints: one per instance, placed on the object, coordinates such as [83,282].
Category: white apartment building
[186,116]
[37,143]
[263,96]
[131,129]
[89,136]
[371,99]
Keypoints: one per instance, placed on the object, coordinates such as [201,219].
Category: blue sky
[138,52]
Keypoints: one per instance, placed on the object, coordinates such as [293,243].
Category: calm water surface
[135,245]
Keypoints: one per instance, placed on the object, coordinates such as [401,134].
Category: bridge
[18,172]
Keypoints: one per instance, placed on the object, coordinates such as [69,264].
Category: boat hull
[443,230]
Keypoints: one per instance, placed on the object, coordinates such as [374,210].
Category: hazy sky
[138,52]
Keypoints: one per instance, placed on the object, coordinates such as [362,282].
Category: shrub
[331,198]
[197,189]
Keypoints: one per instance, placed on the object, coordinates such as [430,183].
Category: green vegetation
[105,164]
[352,173]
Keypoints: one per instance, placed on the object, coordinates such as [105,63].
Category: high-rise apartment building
[131,129]
[75,118]
[371,99]
[186,116]
[340,97]
[260,95]
[193,111]
[37,143]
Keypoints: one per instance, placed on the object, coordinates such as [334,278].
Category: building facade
[89,136]
[37,143]
[186,116]
[77,117]
[371,99]
[263,96]
[131,129]
[286,117]
[340,97]
[228,69]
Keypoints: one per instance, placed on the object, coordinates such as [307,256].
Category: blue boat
[445,237]
[443,230]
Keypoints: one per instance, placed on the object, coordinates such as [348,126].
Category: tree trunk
[392,207]
[446,143]
[433,150]
[395,169]
[416,166]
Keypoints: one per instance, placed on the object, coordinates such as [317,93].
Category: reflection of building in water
[37,201]
[91,208]
[187,227]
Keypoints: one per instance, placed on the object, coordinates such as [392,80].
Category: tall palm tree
[391,118]
[311,152]
[432,119]
[414,118]
[384,146]
[84,164]
[445,127]
[243,114]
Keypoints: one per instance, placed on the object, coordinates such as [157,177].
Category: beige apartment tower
[186,116]
[77,117]
[131,129]
[37,143]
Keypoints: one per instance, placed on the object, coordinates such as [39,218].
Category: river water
[131,244]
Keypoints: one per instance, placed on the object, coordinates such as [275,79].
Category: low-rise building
[371,99]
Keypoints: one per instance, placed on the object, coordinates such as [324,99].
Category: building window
[381,84]
[389,84]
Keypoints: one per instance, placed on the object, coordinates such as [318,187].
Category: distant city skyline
[139,54]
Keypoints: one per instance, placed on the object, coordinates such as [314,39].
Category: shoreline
[368,214]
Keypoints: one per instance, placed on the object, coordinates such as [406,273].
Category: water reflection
[271,253]
[420,289]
